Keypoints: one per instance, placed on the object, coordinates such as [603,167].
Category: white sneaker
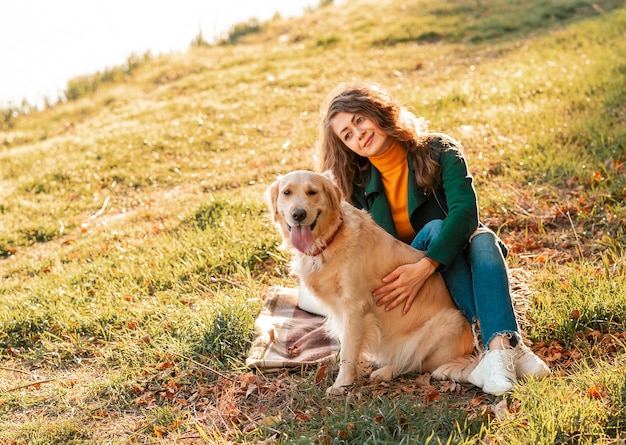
[495,373]
[528,364]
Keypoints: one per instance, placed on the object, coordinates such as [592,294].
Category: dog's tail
[458,369]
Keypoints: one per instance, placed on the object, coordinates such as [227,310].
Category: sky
[44,43]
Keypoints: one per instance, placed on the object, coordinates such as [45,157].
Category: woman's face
[360,134]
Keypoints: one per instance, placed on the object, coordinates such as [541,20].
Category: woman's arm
[462,206]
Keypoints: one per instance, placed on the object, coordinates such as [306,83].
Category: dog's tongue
[301,238]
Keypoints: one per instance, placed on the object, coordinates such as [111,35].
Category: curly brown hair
[377,104]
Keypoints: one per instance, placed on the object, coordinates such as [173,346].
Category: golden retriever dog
[341,255]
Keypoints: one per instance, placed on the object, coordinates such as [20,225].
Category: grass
[135,244]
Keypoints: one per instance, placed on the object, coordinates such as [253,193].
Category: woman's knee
[486,239]
[485,245]
[429,233]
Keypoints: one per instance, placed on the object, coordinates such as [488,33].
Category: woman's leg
[492,294]
[494,307]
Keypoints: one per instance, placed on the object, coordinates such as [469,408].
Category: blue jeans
[478,281]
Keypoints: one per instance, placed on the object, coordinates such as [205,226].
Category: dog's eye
[311,192]
[286,192]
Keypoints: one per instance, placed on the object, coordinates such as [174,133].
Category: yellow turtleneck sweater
[394,169]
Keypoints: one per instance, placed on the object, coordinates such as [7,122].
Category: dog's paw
[383,374]
[336,390]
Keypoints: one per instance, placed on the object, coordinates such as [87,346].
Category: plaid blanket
[286,336]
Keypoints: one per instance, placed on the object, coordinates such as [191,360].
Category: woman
[417,186]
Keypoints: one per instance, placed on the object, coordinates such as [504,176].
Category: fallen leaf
[158,431]
[302,417]
[448,386]
[320,373]
[594,391]
[271,420]
[165,365]
[423,379]
[476,401]
[432,396]
[501,409]
[175,424]
[249,378]
[594,334]
[251,388]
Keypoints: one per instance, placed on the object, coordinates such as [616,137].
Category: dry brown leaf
[158,430]
[432,396]
[449,386]
[251,388]
[501,409]
[302,417]
[320,374]
[423,379]
[165,365]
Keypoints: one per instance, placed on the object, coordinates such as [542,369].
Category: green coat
[455,201]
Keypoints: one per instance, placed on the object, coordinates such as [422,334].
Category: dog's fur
[345,256]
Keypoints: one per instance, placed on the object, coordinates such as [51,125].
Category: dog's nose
[298,215]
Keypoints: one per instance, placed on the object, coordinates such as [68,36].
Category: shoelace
[509,364]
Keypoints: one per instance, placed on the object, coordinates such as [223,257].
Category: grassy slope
[133,227]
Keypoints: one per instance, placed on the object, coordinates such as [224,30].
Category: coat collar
[379,207]
[417,195]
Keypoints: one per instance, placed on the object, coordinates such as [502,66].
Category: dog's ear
[271,196]
[332,190]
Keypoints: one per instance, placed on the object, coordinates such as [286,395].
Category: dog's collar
[323,247]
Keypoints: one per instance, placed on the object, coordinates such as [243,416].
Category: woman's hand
[403,284]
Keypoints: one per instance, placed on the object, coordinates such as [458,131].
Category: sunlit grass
[576,299]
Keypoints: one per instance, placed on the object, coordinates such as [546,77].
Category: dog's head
[306,207]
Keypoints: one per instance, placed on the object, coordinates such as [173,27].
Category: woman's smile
[360,134]
[368,141]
